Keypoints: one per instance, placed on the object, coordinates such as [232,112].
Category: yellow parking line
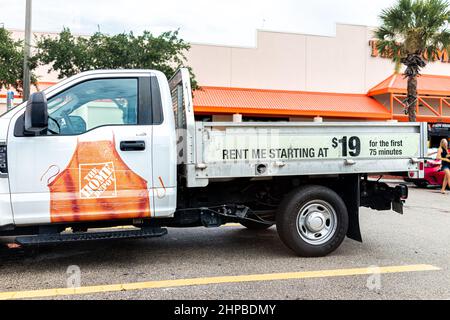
[211,280]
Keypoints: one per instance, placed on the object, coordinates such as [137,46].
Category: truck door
[95,161]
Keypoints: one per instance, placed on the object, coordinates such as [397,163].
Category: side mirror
[36,114]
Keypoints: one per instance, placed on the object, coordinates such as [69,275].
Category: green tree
[11,62]
[68,54]
[414,32]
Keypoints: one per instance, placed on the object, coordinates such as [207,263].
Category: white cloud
[222,22]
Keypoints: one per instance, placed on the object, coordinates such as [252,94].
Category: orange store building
[298,77]
[385,101]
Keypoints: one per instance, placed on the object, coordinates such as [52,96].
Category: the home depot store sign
[442,55]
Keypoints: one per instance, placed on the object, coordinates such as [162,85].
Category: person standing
[9,99]
[443,155]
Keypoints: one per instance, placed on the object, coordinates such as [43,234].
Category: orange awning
[40,86]
[426,85]
[220,100]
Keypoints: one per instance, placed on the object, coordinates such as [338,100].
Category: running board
[44,239]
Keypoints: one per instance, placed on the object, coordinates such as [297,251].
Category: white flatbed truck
[122,147]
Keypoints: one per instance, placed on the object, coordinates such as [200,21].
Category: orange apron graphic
[98,185]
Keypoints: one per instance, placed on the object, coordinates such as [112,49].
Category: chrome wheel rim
[317,222]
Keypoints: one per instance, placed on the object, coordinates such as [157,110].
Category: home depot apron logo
[97,185]
[99,182]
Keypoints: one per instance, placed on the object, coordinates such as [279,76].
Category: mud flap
[352,201]
[397,206]
[400,193]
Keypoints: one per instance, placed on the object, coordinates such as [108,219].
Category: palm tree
[413,32]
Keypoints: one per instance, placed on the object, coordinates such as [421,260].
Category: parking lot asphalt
[402,257]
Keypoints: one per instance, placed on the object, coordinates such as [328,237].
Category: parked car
[433,174]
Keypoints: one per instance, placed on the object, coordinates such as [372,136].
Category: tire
[312,221]
[421,184]
[252,225]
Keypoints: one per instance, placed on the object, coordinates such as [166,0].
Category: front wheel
[312,221]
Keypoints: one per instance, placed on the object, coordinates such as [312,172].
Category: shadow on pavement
[187,244]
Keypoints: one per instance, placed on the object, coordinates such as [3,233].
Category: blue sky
[230,22]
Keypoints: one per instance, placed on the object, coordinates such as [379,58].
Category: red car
[433,175]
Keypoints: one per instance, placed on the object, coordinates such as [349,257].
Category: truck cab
[108,141]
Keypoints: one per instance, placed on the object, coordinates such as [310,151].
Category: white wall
[290,61]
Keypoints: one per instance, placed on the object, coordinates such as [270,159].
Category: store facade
[300,77]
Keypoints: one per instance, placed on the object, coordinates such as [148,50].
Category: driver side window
[93,104]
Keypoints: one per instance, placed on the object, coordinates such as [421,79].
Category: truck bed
[208,151]
[232,150]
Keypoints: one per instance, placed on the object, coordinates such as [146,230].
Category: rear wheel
[421,184]
[312,221]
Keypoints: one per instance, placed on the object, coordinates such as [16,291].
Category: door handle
[132,145]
